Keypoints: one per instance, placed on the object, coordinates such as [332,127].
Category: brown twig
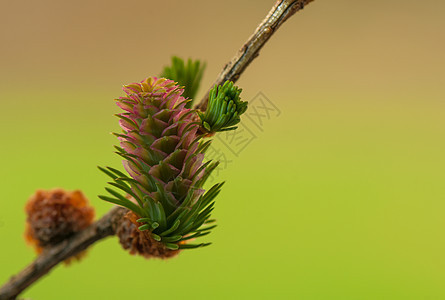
[55,255]
[281,11]
[105,227]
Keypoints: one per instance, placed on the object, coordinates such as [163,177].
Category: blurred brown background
[349,46]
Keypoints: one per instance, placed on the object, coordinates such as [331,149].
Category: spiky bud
[224,108]
[55,215]
[163,155]
[187,75]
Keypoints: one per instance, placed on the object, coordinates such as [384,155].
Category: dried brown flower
[53,216]
[141,242]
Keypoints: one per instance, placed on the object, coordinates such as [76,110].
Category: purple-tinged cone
[163,152]
[160,134]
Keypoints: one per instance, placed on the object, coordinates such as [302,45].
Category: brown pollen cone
[140,242]
[53,216]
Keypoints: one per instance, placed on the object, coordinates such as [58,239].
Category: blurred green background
[340,196]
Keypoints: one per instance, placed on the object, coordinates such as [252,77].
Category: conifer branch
[280,12]
[106,226]
[57,254]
